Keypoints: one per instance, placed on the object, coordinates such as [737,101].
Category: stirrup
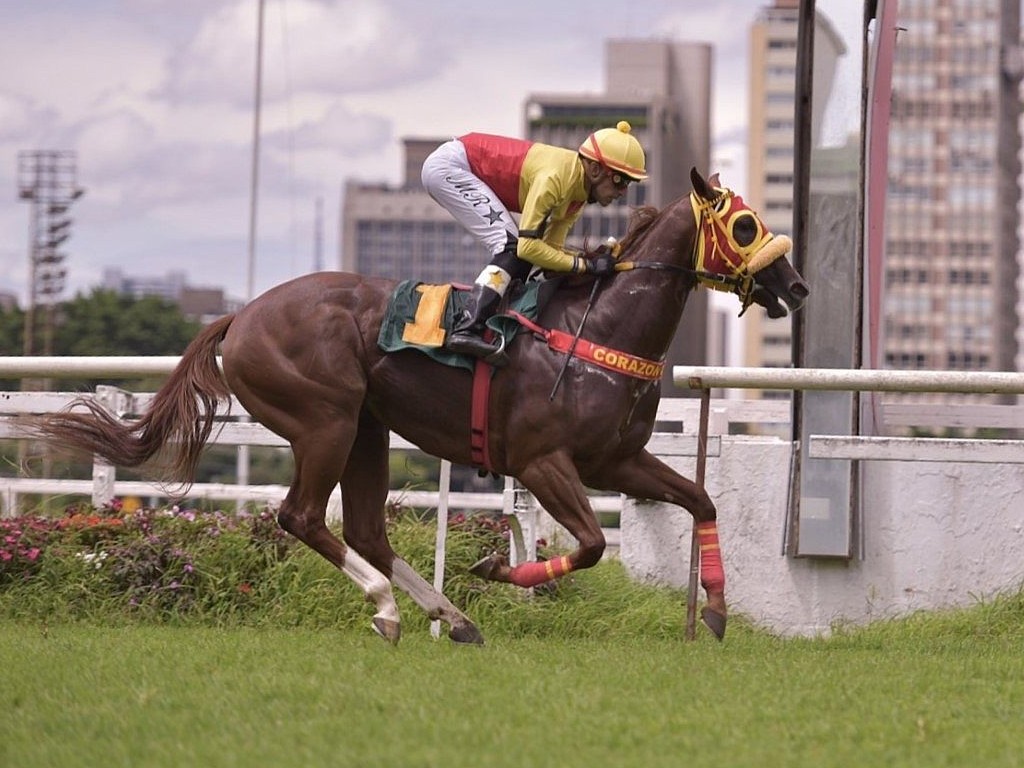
[468,343]
[498,358]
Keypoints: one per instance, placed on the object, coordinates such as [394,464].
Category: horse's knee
[589,553]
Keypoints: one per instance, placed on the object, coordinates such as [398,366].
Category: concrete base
[936,535]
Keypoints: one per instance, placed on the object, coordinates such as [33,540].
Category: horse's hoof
[486,567]
[389,630]
[466,634]
[714,621]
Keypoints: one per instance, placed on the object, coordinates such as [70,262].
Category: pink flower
[5,555]
[33,554]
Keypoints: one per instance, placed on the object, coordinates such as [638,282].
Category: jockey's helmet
[616,149]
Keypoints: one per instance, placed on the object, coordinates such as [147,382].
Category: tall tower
[47,179]
[951,210]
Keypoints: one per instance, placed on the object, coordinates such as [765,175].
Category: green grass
[935,690]
[109,666]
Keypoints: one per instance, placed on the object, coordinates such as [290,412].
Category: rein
[729,281]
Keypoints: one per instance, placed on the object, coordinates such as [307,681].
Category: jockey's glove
[602,262]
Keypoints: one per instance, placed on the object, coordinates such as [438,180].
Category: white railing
[232,429]
[679,414]
[747,477]
[882,448]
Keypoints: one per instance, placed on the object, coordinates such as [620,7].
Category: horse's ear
[700,186]
[713,181]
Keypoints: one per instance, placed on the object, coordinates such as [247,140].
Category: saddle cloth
[419,316]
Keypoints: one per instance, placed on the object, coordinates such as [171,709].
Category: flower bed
[179,564]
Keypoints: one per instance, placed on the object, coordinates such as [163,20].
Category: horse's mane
[640,220]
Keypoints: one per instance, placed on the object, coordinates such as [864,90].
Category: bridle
[716,241]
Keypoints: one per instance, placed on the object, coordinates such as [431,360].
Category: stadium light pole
[242,458]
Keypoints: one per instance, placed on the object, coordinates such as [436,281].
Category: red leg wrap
[537,572]
[712,575]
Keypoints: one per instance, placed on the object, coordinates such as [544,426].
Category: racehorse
[303,360]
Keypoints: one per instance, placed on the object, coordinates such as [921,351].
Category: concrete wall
[936,535]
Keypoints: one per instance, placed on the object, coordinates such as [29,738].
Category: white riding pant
[448,179]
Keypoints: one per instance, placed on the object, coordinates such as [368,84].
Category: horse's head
[736,252]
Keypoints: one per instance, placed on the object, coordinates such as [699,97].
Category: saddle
[420,315]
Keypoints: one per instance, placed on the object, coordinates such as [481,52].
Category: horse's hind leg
[364,490]
[318,455]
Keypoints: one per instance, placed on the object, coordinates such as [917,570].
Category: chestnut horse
[303,360]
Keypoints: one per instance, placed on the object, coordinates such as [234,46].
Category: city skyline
[162,122]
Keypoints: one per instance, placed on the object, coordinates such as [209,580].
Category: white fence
[940,533]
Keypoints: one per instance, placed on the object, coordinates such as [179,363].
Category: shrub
[184,563]
[239,568]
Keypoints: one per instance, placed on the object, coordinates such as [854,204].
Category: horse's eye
[744,230]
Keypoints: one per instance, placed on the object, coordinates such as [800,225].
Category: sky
[156,97]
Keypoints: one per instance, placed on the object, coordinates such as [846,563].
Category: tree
[106,323]
[12,338]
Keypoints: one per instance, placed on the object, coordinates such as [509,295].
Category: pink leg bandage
[712,575]
[537,572]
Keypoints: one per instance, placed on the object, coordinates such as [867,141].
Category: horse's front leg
[645,477]
[554,482]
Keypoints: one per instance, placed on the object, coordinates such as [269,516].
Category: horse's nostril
[800,291]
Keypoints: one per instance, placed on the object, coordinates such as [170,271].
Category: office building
[401,233]
[951,258]
[202,304]
[769,190]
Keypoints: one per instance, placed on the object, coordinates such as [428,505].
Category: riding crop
[576,338]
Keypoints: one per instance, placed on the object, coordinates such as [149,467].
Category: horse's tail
[180,417]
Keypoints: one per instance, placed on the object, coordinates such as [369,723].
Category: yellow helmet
[616,148]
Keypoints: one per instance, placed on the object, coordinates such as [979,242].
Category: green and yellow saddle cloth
[420,315]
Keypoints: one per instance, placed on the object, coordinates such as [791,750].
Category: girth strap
[478,437]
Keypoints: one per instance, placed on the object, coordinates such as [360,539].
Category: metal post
[702,461]
[242,456]
[441,542]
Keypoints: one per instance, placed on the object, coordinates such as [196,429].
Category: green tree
[12,339]
[107,323]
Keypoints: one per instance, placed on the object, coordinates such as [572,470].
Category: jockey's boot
[466,337]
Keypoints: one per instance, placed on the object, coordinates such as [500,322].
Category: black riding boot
[467,336]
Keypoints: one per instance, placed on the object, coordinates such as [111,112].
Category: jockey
[480,179]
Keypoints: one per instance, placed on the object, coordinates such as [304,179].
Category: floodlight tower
[46,179]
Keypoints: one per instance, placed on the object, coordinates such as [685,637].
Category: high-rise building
[400,232]
[773,51]
[951,212]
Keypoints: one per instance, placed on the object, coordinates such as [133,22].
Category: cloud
[18,115]
[340,130]
[327,47]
